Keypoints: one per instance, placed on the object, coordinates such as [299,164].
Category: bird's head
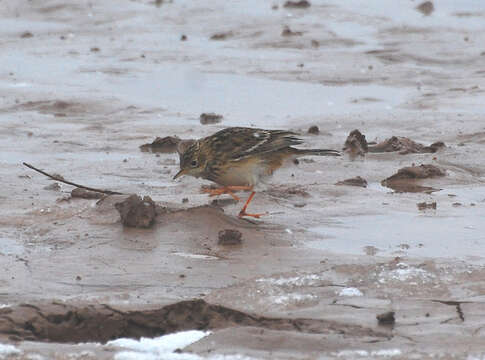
[190,160]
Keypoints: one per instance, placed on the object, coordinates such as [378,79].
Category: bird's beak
[179,174]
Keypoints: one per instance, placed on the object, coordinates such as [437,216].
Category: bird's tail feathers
[318,152]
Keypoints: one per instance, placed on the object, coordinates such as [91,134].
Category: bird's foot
[256,216]
[225,190]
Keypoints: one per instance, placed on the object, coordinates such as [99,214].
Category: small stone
[167,144]
[426,8]
[223,202]
[85,194]
[229,237]
[137,212]
[26,35]
[95,49]
[355,181]
[78,278]
[210,118]
[222,35]
[54,187]
[386,318]
[288,32]
[183,38]
[302,4]
[424,205]
[185,200]
[314,130]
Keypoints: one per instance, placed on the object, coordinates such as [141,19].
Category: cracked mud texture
[57,322]
[333,256]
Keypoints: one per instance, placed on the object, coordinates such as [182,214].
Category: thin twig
[57,178]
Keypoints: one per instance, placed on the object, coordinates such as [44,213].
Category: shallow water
[456,232]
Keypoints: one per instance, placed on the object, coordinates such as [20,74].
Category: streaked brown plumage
[237,158]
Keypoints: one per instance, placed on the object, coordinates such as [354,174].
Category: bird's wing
[241,143]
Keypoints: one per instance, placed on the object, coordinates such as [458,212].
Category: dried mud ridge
[63,323]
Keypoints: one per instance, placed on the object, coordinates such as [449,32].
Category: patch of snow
[7,350]
[404,272]
[352,353]
[35,357]
[292,298]
[162,347]
[386,352]
[195,256]
[364,353]
[304,280]
[289,231]
[82,355]
[2,306]
[231,357]
[350,291]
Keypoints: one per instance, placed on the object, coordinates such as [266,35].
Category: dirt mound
[405,145]
[167,144]
[405,180]
[57,322]
[356,145]
[355,181]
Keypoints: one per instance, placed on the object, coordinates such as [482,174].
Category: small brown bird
[237,158]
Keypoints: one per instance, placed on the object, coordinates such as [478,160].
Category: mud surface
[84,84]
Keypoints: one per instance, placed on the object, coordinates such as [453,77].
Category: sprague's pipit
[237,158]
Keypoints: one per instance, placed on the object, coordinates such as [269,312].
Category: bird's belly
[248,174]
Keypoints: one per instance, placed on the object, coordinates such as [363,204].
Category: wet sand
[83,85]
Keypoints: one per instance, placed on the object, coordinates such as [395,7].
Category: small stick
[107,192]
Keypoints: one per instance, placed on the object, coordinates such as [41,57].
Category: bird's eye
[193,163]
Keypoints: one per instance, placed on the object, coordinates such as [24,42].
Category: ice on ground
[303,280]
[352,354]
[7,350]
[350,291]
[292,298]
[404,272]
[195,256]
[159,347]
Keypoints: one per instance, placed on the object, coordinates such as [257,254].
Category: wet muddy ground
[84,85]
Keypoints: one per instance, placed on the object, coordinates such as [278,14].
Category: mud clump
[405,146]
[63,323]
[229,237]
[424,171]
[137,212]
[85,194]
[355,181]
[314,130]
[426,8]
[223,202]
[26,35]
[167,144]
[288,32]
[210,118]
[405,179]
[386,319]
[302,4]
[53,187]
[355,144]
[424,205]
[222,35]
